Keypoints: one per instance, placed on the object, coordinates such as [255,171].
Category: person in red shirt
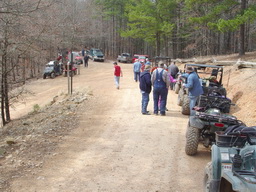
[117,74]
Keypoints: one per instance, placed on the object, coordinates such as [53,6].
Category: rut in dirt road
[116,148]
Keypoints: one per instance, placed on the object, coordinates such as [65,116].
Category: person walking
[145,88]
[194,87]
[117,74]
[86,58]
[136,70]
[173,70]
[160,81]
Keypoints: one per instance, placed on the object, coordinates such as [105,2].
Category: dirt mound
[27,141]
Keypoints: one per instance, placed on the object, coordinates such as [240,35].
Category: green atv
[233,164]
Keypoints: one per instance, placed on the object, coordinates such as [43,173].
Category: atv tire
[207,177]
[52,75]
[176,88]
[180,97]
[185,106]
[44,76]
[192,140]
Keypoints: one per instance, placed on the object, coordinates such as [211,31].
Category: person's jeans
[144,102]
[157,93]
[117,78]
[136,76]
[192,103]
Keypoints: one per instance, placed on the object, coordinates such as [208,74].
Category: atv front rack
[223,140]
[247,176]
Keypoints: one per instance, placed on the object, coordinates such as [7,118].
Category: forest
[34,32]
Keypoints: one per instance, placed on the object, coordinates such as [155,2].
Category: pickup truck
[125,58]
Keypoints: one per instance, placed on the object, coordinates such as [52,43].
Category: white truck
[124,58]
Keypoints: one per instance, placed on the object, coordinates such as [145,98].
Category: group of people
[161,78]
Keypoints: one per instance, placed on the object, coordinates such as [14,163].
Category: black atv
[209,117]
[211,81]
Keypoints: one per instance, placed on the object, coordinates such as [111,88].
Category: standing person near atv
[173,70]
[160,81]
[117,74]
[194,87]
[145,88]
[136,70]
[86,58]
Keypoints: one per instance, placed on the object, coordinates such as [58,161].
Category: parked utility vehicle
[52,69]
[233,163]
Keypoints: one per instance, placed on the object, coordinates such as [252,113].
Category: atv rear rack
[218,118]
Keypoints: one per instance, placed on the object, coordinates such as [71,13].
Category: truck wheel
[192,140]
[207,177]
[176,88]
[185,106]
[180,97]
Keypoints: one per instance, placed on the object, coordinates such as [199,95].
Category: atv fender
[196,122]
[216,162]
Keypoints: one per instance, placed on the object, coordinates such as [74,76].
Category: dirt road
[115,148]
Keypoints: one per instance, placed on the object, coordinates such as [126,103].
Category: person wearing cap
[147,62]
[160,81]
[194,87]
[145,88]
[142,66]
[136,70]
[117,74]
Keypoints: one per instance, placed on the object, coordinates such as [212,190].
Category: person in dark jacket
[86,58]
[145,88]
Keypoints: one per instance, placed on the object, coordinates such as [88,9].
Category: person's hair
[115,63]
[162,65]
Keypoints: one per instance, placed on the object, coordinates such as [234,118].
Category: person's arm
[167,79]
[153,77]
[121,73]
[189,82]
[148,81]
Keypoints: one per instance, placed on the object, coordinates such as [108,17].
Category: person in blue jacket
[194,87]
[136,69]
[145,88]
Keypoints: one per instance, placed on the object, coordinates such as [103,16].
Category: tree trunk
[242,31]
